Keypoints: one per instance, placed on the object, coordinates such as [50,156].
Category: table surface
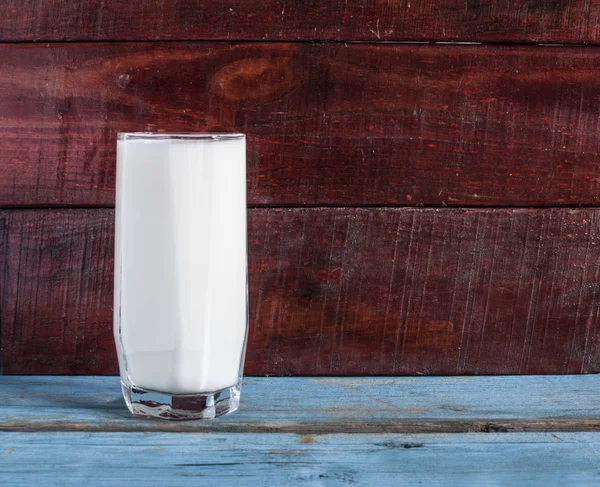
[527,430]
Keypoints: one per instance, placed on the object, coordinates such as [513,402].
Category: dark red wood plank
[56,290]
[336,291]
[571,21]
[328,124]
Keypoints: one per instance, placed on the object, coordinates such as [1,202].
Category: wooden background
[418,205]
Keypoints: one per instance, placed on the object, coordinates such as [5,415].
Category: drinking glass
[181,298]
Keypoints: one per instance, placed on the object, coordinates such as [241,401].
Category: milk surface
[180,263]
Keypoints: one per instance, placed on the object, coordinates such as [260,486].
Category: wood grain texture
[569,21]
[309,405]
[299,431]
[100,459]
[56,290]
[327,124]
[336,291]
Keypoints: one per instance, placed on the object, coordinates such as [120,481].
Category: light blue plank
[326,404]
[162,459]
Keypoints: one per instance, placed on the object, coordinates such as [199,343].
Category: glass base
[160,405]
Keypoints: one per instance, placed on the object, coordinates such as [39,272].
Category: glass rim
[214,136]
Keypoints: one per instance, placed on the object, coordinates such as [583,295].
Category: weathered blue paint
[71,438]
[164,459]
[96,403]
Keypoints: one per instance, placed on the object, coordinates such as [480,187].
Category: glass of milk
[181,300]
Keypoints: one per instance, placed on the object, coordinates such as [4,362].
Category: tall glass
[181,305]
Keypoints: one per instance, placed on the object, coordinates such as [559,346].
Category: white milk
[180,263]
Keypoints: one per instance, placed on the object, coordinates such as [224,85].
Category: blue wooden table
[536,430]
